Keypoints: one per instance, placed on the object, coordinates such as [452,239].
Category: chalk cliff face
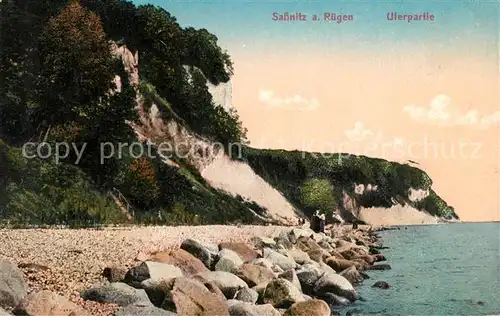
[222,94]
[236,178]
[395,215]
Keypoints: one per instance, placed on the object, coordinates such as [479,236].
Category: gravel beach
[67,261]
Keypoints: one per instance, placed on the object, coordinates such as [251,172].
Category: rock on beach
[288,271]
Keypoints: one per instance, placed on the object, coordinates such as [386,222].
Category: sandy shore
[68,261]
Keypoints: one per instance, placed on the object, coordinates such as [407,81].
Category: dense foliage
[57,72]
[298,174]
[318,194]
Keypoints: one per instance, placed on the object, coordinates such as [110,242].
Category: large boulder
[188,263]
[380,267]
[247,295]
[307,244]
[291,276]
[13,288]
[318,254]
[254,274]
[143,309]
[352,275]
[263,242]
[46,303]
[153,270]
[116,293]
[158,291]
[262,262]
[193,298]
[308,275]
[228,283]
[309,308]
[228,261]
[296,233]
[245,252]
[238,308]
[335,284]
[278,259]
[297,255]
[114,273]
[282,293]
[339,265]
[204,254]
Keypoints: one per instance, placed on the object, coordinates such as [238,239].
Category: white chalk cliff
[219,170]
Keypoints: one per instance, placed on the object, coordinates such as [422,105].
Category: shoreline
[73,261]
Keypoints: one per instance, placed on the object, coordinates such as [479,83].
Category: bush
[318,194]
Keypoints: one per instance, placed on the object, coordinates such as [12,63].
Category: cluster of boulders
[298,273]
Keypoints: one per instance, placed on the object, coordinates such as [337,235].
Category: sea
[444,269]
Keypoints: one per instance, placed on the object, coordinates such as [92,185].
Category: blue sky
[458,24]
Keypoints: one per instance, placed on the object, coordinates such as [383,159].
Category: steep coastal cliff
[164,92]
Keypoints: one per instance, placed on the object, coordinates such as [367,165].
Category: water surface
[448,269]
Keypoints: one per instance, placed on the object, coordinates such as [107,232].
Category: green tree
[77,67]
[318,193]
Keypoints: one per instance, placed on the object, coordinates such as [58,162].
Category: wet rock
[380,267]
[281,293]
[13,288]
[381,285]
[354,311]
[46,303]
[335,284]
[352,275]
[349,254]
[308,308]
[379,257]
[339,265]
[333,299]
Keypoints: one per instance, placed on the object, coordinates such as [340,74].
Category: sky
[427,91]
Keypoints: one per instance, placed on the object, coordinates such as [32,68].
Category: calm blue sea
[449,269]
